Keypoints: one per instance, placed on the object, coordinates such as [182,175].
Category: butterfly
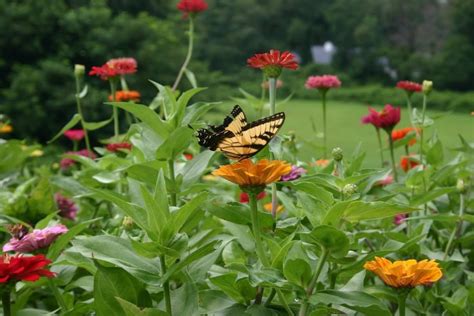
[236,138]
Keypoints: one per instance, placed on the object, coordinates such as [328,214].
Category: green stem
[6,302]
[57,295]
[166,286]
[272,96]
[401,304]
[81,115]
[422,128]
[113,89]
[172,178]
[188,55]
[392,156]
[314,280]
[323,100]
[379,138]
[457,229]
[270,297]
[410,110]
[123,83]
[75,145]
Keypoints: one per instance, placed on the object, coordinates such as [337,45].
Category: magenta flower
[66,163]
[385,181]
[37,239]
[294,174]
[67,207]
[399,219]
[385,119]
[324,82]
[74,134]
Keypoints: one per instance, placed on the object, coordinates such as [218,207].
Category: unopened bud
[349,189]
[79,70]
[337,154]
[427,87]
[461,186]
[127,223]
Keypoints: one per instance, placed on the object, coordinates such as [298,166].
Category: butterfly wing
[253,137]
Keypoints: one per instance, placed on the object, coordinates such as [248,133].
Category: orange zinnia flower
[245,173]
[407,163]
[405,273]
[5,128]
[401,133]
[268,208]
[323,163]
[122,96]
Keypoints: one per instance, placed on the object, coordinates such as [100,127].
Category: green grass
[346,131]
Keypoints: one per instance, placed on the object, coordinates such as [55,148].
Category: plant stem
[166,286]
[314,280]
[401,304]
[188,55]
[75,145]
[392,156]
[57,295]
[171,175]
[270,297]
[379,138]
[457,229]
[123,83]
[79,110]
[323,100]
[113,88]
[422,128]
[272,97]
[6,302]
[410,110]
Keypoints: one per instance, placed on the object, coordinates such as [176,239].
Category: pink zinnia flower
[37,239]
[324,82]
[74,134]
[385,181]
[123,65]
[294,174]
[399,219]
[67,207]
[114,147]
[244,197]
[385,119]
[409,86]
[68,162]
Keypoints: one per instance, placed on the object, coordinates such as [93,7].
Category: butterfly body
[236,138]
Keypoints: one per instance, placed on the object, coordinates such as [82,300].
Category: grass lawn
[346,131]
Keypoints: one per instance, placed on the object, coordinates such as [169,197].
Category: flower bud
[127,223]
[272,71]
[79,70]
[460,186]
[427,87]
[337,154]
[349,189]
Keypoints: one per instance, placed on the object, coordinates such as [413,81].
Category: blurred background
[369,44]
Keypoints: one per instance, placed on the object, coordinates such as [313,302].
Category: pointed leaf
[76,118]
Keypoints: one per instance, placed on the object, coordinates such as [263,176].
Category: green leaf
[76,118]
[131,309]
[355,300]
[182,103]
[191,77]
[213,301]
[430,195]
[157,217]
[41,201]
[194,168]
[328,238]
[110,283]
[92,126]
[232,212]
[61,242]
[182,215]
[147,116]
[313,190]
[434,154]
[175,144]
[184,301]
[168,99]
[297,266]
[83,92]
[196,111]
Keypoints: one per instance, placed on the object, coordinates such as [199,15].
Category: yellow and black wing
[237,139]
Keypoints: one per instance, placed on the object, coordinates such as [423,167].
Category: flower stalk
[457,229]
[325,143]
[166,286]
[173,198]
[113,89]
[272,96]
[314,280]
[402,297]
[379,138]
[188,55]
[392,155]
[79,110]
[6,302]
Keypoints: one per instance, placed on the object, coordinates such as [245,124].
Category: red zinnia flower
[19,268]
[386,119]
[74,134]
[123,65]
[272,63]
[188,156]
[116,146]
[244,197]
[401,133]
[123,96]
[407,163]
[191,6]
[104,72]
[409,86]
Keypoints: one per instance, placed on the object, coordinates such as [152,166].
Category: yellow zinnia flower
[268,208]
[405,273]
[245,173]
[5,128]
